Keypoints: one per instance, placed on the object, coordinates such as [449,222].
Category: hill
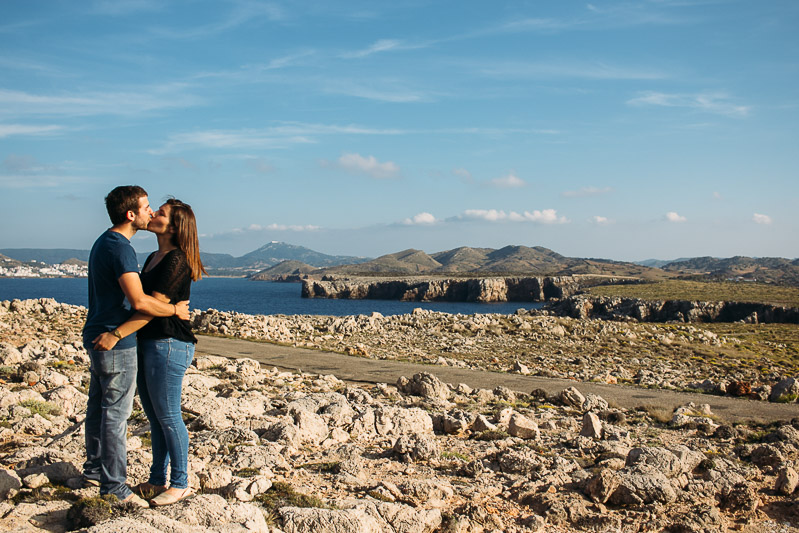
[276,252]
[283,271]
[508,260]
[776,270]
[51,256]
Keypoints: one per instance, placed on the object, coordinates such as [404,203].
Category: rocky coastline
[278,452]
[497,289]
[606,308]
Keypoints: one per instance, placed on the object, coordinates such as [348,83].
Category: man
[115,291]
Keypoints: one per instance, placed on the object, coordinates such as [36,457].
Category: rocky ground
[273,451]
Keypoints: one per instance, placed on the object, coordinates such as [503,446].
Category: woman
[165,348]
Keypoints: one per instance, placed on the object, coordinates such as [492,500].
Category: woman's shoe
[148,490]
[168,498]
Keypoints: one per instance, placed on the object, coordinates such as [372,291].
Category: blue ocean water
[253,298]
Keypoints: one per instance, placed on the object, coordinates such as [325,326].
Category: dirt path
[363,370]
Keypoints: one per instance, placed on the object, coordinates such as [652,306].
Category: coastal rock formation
[279,452]
[512,289]
[611,308]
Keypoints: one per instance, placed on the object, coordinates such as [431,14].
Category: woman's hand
[105,341]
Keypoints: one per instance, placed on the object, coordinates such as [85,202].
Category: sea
[254,298]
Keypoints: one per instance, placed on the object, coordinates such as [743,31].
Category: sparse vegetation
[703,291]
[43,409]
[283,495]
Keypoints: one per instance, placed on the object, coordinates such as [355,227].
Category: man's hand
[105,341]
[182,310]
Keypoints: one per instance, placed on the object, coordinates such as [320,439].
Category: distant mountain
[276,252]
[264,257]
[52,256]
[659,263]
[508,260]
[283,270]
[776,270]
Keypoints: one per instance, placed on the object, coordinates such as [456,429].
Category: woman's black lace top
[172,277]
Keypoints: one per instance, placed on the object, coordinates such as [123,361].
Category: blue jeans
[111,390]
[162,364]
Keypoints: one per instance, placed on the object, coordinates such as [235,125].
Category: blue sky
[624,130]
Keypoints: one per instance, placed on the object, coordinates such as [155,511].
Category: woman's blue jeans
[162,365]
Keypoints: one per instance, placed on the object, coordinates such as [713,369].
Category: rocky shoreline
[495,289]
[274,451]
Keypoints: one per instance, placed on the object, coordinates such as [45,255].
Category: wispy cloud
[10,130]
[545,216]
[758,218]
[383,91]
[25,172]
[716,103]
[124,7]
[671,216]
[511,181]
[421,219]
[383,45]
[243,12]
[223,139]
[283,227]
[463,174]
[569,69]
[260,165]
[585,192]
[370,166]
[129,102]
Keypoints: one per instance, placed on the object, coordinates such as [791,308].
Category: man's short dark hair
[121,200]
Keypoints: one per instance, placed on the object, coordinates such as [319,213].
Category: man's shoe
[148,490]
[134,500]
[88,482]
[168,498]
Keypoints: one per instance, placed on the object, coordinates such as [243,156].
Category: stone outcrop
[278,452]
[511,289]
[612,308]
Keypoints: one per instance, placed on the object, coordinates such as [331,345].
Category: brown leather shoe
[148,490]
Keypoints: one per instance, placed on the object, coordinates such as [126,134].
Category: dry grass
[701,291]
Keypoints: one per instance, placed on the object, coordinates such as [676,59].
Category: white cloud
[545,216]
[757,218]
[717,103]
[599,220]
[420,219]
[510,181]
[717,195]
[8,130]
[671,216]
[586,192]
[463,174]
[356,163]
[491,215]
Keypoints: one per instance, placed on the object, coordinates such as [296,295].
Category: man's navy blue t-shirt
[111,256]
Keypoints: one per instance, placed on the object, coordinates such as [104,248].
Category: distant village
[36,269]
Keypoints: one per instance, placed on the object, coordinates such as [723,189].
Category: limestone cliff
[514,289]
[672,310]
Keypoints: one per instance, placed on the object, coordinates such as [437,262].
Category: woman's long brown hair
[186,236]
